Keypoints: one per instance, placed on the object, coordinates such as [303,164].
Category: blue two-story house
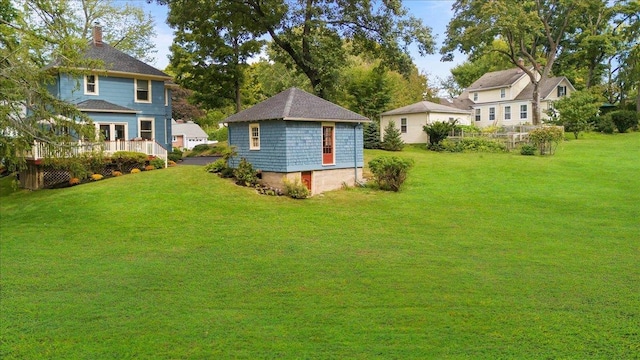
[127,99]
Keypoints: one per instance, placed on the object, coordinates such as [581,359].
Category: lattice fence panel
[53,176]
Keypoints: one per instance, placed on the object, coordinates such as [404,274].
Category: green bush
[221,134]
[372,135]
[392,140]
[175,155]
[475,144]
[438,131]
[527,149]
[200,148]
[390,172]
[227,172]
[216,166]
[624,119]
[157,163]
[604,124]
[295,189]
[128,158]
[244,173]
[546,138]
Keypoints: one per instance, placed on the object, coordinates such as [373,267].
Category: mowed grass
[479,256]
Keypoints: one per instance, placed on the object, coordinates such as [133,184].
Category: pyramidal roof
[296,104]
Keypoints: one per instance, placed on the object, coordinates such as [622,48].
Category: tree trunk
[535,104]
[236,81]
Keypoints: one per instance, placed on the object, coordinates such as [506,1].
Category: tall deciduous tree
[577,110]
[532,29]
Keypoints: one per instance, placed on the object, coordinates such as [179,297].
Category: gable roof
[296,104]
[497,79]
[545,89]
[461,102]
[116,61]
[424,107]
[103,106]
[188,129]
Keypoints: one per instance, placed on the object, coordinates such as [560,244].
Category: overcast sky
[434,13]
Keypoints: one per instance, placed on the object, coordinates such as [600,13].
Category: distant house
[410,119]
[504,97]
[187,134]
[297,135]
[126,98]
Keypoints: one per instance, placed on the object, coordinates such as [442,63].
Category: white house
[411,119]
[186,135]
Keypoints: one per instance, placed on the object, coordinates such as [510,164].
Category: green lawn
[479,256]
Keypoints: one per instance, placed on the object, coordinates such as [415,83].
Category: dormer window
[562,91]
[475,96]
[91,84]
[503,93]
[143,90]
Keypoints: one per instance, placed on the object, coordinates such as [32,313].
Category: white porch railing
[41,150]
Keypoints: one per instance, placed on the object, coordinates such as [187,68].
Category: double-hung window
[254,136]
[507,112]
[477,114]
[523,111]
[503,93]
[146,129]
[143,90]
[475,96]
[562,91]
[492,113]
[91,85]
[403,125]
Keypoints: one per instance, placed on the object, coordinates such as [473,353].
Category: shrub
[227,172]
[128,158]
[371,134]
[216,166]
[221,134]
[171,163]
[390,171]
[476,144]
[175,155]
[295,189]
[527,149]
[135,171]
[157,163]
[604,124]
[200,148]
[96,177]
[116,173]
[624,119]
[149,168]
[546,138]
[94,162]
[244,173]
[74,181]
[438,131]
[392,140]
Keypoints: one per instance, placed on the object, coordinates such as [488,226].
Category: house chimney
[97,34]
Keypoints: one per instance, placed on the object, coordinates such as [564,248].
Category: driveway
[198,160]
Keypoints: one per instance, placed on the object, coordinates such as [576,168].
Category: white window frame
[333,143]
[112,129]
[254,141]
[564,91]
[478,115]
[166,97]
[524,112]
[153,130]
[95,84]
[503,93]
[135,91]
[507,112]
[492,113]
[475,96]
[403,125]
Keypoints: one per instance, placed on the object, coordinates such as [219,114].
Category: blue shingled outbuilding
[297,135]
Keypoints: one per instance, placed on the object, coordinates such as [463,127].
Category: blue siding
[289,146]
[120,91]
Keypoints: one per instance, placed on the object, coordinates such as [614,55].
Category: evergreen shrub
[390,172]
[624,119]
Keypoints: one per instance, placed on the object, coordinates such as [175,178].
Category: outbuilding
[297,135]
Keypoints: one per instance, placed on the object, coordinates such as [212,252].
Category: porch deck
[42,150]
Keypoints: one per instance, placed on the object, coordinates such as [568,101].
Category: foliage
[175,155]
[135,171]
[368,89]
[157,163]
[438,131]
[546,138]
[389,172]
[220,134]
[371,134]
[171,163]
[182,107]
[216,167]
[392,140]
[479,64]
[604,123]
[472,144]
[245,174]
[128,158]
[527,149]
[295,189]
[149,168]
[116,173]
[468,129]
[576,111]
[624,119]
[96,177]
[74,181]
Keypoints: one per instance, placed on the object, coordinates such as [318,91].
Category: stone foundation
[321,180]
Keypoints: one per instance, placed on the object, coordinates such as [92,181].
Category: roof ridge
[287,105]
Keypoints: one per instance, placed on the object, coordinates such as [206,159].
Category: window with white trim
[477,114]
[475,96]
[523,111]
[166,97]
[562,91]
[492,113]
[507,112]
[503,93]
[254,136]
[143,90]
[146,129]
[91,84]
[403,125]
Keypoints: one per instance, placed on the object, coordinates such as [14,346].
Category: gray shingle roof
[188,129]
[497,79]
[424,107]
[102,106]
[296,104]
[545,90]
